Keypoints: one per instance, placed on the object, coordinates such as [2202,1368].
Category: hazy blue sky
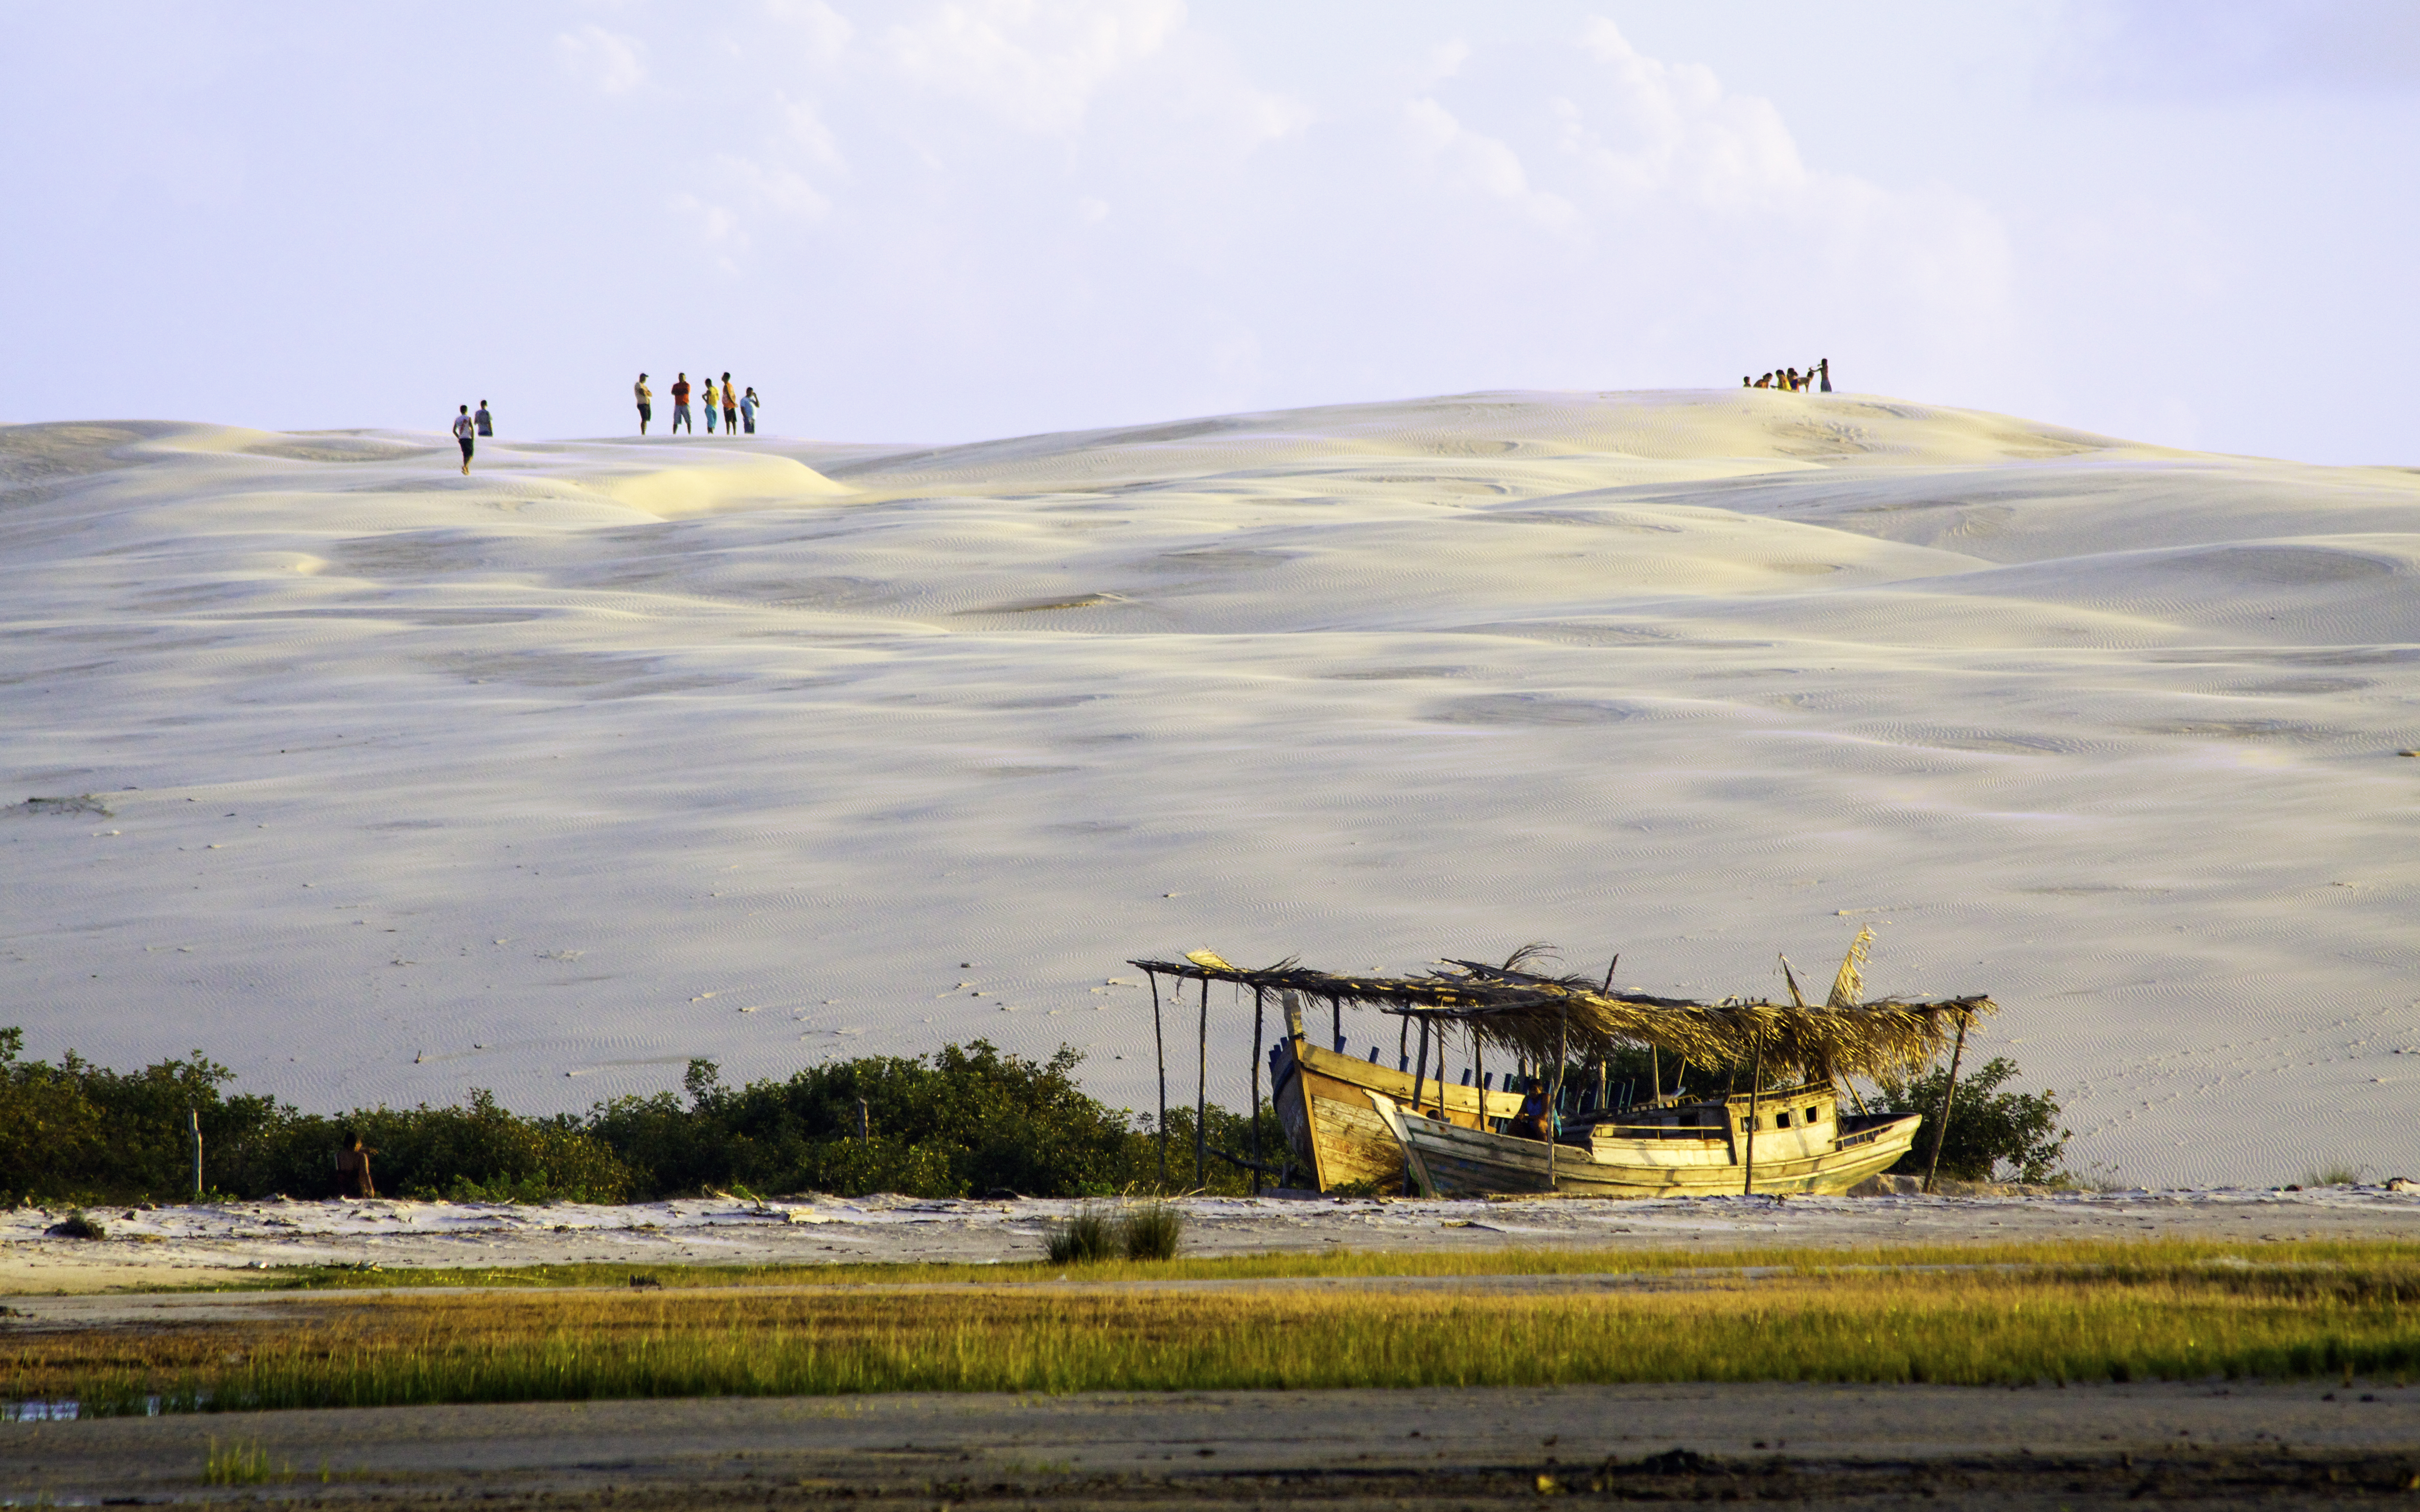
[2190,222]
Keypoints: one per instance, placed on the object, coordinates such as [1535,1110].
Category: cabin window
[1815,1114]
[1782,1120]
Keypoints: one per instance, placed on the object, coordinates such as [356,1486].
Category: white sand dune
[618,752]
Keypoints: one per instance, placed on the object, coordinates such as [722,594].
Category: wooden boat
[1793,1140]
[1353,1121]
[1322,1099]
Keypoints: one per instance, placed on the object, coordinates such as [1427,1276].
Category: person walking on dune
[748,410]
[731,408]
[463,431]
[646,397]
[680,404]
[486,421]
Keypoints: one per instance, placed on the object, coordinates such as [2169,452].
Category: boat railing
[1658,1130]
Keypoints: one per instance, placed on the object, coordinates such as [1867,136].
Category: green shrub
[966,1120]
[1989,1128]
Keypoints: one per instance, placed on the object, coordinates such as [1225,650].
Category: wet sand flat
[1810,1443]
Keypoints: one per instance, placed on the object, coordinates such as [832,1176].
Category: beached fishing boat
[1791,1140]
[1324,1099]
[1351,1121]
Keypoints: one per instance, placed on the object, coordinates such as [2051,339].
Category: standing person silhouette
[463,430]
[709,397]
[731,408]
[486,421]
[747,408]
[1824,367]
[680,404]
[646,397]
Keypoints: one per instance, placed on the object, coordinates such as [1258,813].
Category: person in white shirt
[463,431]
[646,397]
[747,409]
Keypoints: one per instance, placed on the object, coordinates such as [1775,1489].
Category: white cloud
[1035,64]
[1462,160]
[1672,128]
[825,31]
[804,128]
[1445,59]
[608,61]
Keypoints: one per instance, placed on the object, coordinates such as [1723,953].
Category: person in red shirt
[680,404]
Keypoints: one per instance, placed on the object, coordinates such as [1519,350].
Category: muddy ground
[2223,1443]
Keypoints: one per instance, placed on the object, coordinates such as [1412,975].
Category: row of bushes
[965,1121]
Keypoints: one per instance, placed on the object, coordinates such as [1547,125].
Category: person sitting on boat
[1536,1119]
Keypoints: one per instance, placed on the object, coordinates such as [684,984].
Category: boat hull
[1322,1099]
[1452,1162]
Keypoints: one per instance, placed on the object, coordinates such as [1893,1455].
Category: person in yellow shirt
[708,394]
[646,397]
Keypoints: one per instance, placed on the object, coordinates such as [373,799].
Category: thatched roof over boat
[1524,1013]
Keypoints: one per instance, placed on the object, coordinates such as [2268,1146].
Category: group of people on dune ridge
[1818,377]
[737,408]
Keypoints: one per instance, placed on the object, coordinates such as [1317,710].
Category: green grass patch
[2127,1255]
[1979,1315]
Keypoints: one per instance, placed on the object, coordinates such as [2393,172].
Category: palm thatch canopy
[1545,1017]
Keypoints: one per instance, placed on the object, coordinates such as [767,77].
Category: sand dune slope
[617,752]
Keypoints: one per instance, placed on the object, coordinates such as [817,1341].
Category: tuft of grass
[240,1463]
[76,1226]
[2335,1173]
[1151,1231]
[1086,1235]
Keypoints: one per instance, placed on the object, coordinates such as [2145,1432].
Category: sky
[946,220]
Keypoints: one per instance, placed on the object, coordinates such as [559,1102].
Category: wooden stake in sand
[1948,1093]
[193,1124]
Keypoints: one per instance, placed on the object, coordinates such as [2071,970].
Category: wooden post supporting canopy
[1555,1101]
[1201,1097]
[1256,1091]
[1948,1093]
[1754,1085]
[1160,1051]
